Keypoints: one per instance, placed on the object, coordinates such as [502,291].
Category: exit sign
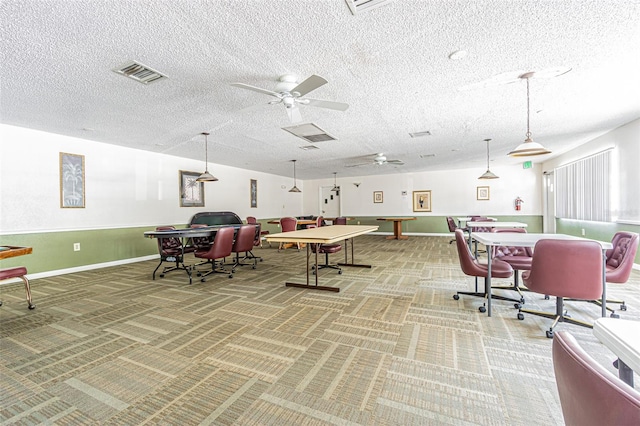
[526,165]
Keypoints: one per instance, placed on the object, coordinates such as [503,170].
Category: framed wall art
[422,201]
[71,180]
[191,191]
[482,193]
[377,196]
[253,188]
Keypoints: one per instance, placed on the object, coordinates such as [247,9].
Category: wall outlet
[358,222]
[76,246]
[583,233]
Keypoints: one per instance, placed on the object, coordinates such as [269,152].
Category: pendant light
[295,188]
[335,188]
[206,176]
[488,174]
[528,147]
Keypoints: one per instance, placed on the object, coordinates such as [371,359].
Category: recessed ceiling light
[457,55]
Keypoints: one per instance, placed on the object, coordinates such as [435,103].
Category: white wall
[453,193]
[124,187]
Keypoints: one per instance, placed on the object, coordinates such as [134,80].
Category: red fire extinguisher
[518,203]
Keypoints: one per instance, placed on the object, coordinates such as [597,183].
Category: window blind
[583,189]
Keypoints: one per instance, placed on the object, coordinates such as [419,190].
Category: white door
[329,202]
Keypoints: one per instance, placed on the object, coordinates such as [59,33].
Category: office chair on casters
[326,249]
[251,220]
[170,250]
[589,393]
[470,266]
[340,221]
[221,248]
[452,227]
[245,239]
[288,224]
[519,258]
[565,269]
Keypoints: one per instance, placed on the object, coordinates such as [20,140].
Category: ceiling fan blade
[398,162]
[294,114]
[359,165]
[256,89]
[311,83]
[327,104]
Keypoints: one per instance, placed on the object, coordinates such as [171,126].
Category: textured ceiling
[390,64]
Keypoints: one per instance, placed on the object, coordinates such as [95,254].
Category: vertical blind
[583,189]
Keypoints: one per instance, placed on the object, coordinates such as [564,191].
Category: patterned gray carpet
[393,347]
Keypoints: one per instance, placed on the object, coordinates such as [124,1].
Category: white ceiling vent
[310,133]
[420,134]
[359,6]
[308,147]
[140,73]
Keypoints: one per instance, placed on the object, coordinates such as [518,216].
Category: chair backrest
[501,251]
[168,245]
[340,221]
[589,393]
[245,238]
[470,265]
[222,244]
[319,221]
[482,219]
[288,224]
[451,224]
[251,220]
[565,268]
[621,257]
[257,240]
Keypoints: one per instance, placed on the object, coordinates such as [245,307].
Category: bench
[18,272]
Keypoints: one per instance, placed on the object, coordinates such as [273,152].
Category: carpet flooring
[114,347]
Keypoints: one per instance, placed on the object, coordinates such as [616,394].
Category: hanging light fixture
[295,188]
[206,176]
[528,147]
[488,174]
[335,188]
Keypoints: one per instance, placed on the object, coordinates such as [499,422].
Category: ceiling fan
[290,93]
[379,160]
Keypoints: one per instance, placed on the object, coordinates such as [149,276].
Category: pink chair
[565,269]
[452,227]
[251,220]
[18,272]
[519,258]
[221,248]
[243,243]
[170,250]
[589,393]
[340,221]
[472,267]
[288,224]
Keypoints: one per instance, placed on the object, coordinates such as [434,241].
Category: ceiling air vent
[309,147]
[140,73]
[420,134]
[359,6]
[310,133]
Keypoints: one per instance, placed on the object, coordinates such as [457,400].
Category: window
[583,189]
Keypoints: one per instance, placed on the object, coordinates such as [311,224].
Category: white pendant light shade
[295,187]
[206,176]
[488,174]
[528,147]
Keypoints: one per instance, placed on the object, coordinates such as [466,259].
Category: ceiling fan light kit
[206,176]
[528,147]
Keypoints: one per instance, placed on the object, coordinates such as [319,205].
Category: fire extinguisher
[518,203]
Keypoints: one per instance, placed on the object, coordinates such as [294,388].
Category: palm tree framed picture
[71,180]
[191,191]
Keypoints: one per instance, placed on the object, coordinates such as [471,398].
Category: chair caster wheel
[517,305]
[313,272]
[623,307]
[230,275]
[253,267]
[482,309]
[614,315]
[549,334]
[203,280]
[161,275]
[520,316]
[32,306]
[546,297]
[339,272]
[456,296]
[261,260]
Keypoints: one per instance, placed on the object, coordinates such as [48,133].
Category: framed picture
[482,193]
[253,188]
[71,180]
[377,196]
[422,201]
[191,191]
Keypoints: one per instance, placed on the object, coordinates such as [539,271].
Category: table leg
[487,283]
[346,263]
[625,373]
[604,289]
[307,285]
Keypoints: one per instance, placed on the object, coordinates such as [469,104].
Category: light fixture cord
[487,154]
[206,154]
[294,172]
[528,131]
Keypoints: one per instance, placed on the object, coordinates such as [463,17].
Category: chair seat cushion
[521,263]
[16,272]
[499,269]
[330,248]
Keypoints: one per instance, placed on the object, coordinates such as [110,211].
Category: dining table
[622,337]
[529,239]
[397,227]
